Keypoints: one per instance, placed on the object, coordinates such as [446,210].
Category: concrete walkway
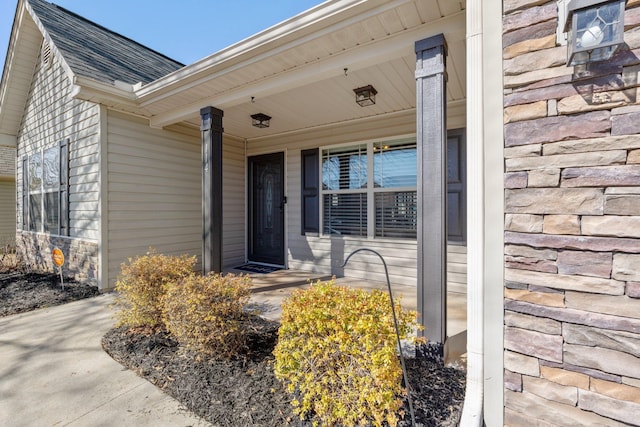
[53,372]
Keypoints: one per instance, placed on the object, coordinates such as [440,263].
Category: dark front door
[266,208]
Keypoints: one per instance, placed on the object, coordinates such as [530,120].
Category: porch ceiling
[295,70]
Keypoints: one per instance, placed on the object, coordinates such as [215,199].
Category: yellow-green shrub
[336,350]
[142,283]
[206,313]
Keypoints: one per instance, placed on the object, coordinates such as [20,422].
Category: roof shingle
[97,53]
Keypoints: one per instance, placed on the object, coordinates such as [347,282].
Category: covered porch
[267,191]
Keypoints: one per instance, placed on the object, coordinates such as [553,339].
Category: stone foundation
[81,256]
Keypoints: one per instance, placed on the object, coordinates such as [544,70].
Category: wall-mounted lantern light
[260,120]
[365,95]
[596,29]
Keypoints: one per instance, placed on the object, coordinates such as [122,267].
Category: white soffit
[373,40]
[20,64]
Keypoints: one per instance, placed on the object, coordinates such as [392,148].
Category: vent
[46,55]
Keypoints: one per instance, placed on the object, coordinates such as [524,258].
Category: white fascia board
[362,57]
[263,45]
[89,89]
[11,52]
[18,47]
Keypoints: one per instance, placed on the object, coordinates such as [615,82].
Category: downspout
[472,412]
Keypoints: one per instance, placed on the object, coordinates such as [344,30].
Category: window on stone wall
[45,190]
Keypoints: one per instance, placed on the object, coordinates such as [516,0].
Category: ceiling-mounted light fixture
[260,120]
[365,95]
[596,29]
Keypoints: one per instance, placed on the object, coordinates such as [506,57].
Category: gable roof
[96,59]
[95,52]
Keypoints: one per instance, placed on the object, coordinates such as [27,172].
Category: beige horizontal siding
[234,202]
[153,183]
[457,268]
[51,116]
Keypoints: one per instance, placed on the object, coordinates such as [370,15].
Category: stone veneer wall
[572,226]
[81,256]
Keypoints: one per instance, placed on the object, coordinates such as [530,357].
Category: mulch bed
[21,292]
[244,391]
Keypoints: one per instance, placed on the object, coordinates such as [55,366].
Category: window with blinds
[396,215]
[45,197]
[345,214]
[370,190]
[395,171]
[344,190]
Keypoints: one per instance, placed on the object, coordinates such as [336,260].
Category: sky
[184,30]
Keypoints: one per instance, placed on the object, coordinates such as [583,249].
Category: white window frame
[370,191]
[60,189]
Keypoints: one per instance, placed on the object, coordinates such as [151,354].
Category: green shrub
[206,313]
[143,282]
[336,350]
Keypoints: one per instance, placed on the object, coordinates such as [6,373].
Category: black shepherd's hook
[395,323]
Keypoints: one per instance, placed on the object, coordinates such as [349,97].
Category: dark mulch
[20,292]
[240,392]
[245,391]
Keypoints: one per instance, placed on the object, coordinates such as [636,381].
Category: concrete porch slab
[270,290]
